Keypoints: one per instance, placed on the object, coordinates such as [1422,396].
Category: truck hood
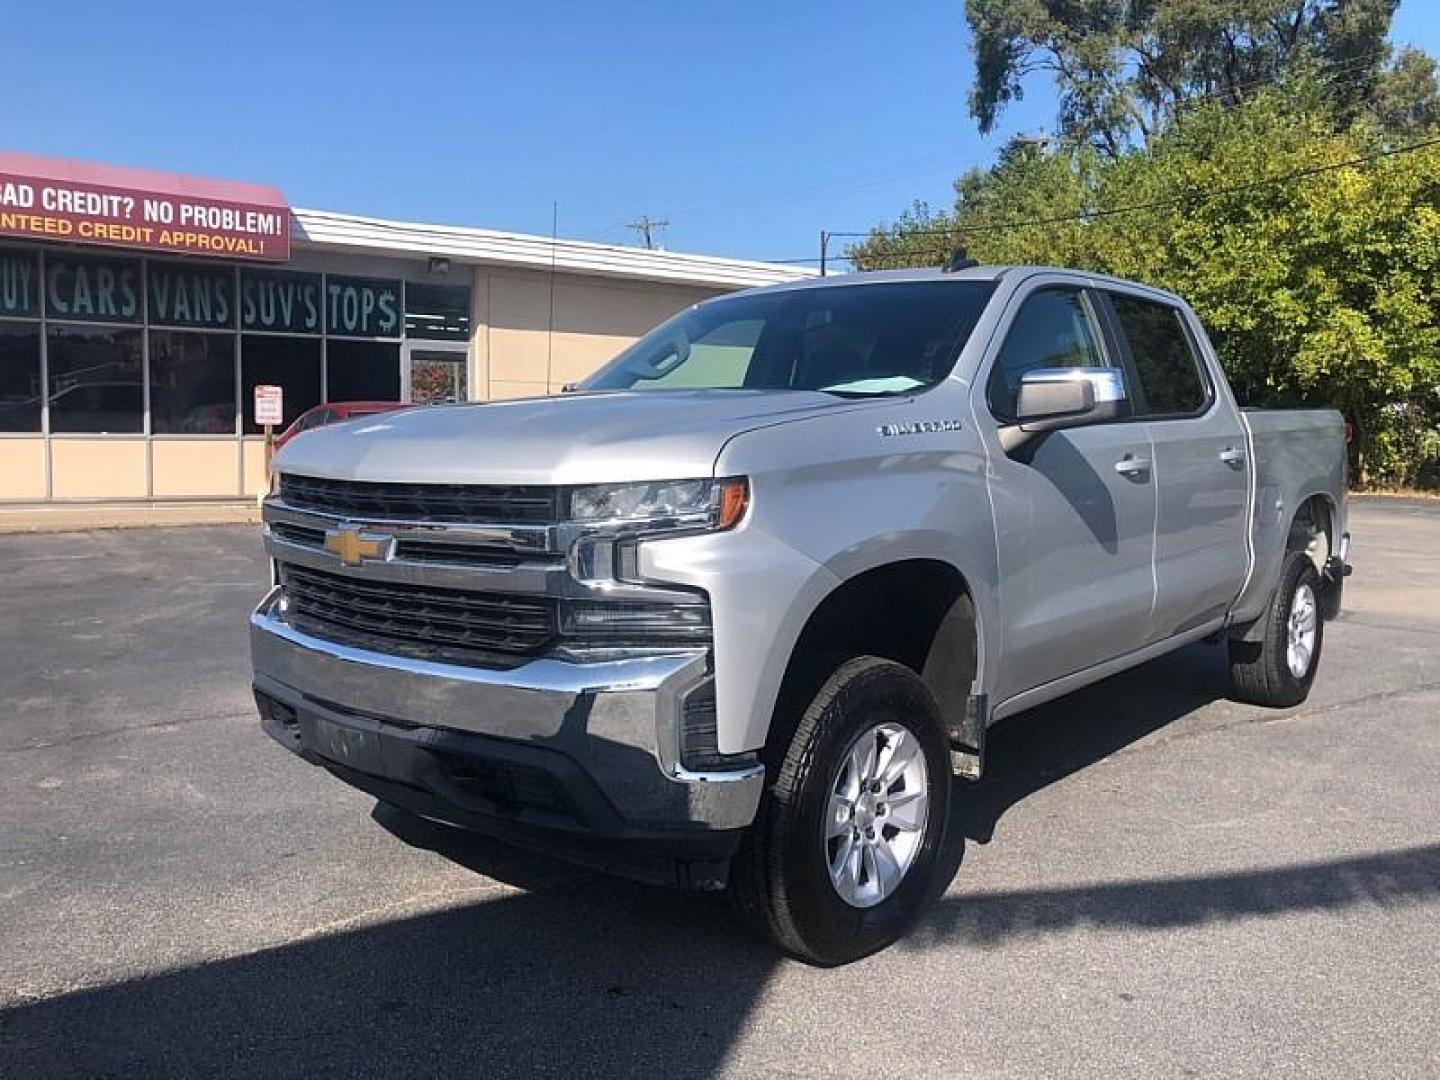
[571,439]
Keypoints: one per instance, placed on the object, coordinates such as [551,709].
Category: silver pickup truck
[737,611]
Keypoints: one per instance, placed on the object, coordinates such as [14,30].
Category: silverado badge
[918,427]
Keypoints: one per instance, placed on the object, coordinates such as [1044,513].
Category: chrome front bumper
[616,722]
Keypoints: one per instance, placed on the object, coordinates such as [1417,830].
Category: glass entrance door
[436,376]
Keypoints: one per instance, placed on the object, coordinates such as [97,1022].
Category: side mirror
[1052,399]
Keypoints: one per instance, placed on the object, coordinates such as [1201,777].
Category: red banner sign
[79,211]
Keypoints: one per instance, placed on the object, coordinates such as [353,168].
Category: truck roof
[970,273]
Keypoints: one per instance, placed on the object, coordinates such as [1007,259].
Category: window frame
[1139,400]
[1098,326]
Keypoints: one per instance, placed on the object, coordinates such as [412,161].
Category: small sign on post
[269,411]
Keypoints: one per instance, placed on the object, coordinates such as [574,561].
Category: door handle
[1132,466]
[1232,457]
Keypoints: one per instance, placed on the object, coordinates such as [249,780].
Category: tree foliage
[1316,287]
[1125,70]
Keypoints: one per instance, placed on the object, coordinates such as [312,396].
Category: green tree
[1124,69]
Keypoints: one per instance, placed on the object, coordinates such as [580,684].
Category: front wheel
[1277,669]
[843,851]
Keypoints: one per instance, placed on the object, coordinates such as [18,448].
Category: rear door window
[1172,382]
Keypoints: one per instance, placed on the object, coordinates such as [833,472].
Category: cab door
[1075,518]
[1201,463]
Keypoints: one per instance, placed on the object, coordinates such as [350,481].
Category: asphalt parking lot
[1157,882]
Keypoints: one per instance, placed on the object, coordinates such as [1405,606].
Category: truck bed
[1295,454]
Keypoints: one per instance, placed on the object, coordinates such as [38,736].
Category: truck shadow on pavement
[1031,750]
[563,971]
[588,976]
[584,976]
[1389,879]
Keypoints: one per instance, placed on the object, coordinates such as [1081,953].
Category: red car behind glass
[332,413]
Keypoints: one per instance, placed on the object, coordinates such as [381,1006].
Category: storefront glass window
[192,383]
[288,362]
[362,371]
[20,393]
[125,334]
[437,312]
[96,380]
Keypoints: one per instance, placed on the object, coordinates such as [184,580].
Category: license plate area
[356,743]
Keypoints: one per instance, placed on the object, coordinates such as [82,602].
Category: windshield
[861,340]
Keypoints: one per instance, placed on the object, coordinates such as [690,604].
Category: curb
[51,517]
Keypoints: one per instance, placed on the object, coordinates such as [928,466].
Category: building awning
[325,230]
[80,202]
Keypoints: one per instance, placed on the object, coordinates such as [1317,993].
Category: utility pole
[824,250]
[646,226]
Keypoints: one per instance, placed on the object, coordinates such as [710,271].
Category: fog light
[620,619]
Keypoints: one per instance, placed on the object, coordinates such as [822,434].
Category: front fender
[761,593]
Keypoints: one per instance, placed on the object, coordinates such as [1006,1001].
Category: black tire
[1260,670]
[780,880]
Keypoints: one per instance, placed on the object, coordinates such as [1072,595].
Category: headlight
[716,504]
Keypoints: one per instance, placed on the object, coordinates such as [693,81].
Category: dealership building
[139,310]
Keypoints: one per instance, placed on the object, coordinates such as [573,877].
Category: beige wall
[190,468]
[22,468]
[254,463]
[98,468]
[517,355]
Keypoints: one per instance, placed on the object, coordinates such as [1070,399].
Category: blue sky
[750,125]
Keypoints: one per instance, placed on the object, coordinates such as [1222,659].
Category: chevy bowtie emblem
[354,546]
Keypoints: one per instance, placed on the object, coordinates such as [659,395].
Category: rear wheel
[1278,668]
[843,850]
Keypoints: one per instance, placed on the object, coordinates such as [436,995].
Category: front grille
[432,551]
[299,534]
[427,551]
[474,503]
[415,619]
